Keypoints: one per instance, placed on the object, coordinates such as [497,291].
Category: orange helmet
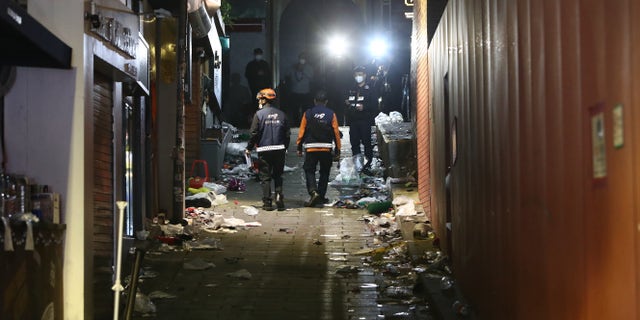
[266,93]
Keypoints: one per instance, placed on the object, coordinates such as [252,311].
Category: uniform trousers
[360,133]
[270,167]
[311,161]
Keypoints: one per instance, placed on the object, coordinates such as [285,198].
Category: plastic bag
[348,172]
[235,148]
[217,188]
[396,117]
[143,304]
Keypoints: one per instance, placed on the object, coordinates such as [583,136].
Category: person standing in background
[298,81]
[270,135]
[361,109]
[258,73]
[317,136]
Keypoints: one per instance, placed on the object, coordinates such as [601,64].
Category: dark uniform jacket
[318,129]
[367,97]
[269,130]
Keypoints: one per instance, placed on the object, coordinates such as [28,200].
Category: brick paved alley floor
[294,260]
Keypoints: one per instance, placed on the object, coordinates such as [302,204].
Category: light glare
[337,46]
[378,47]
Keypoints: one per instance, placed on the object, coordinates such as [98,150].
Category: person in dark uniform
[361,108]
[258,72]
[270,134]
[318,133]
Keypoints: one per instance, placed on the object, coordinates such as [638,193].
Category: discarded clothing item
[240,274]
[379,207]
[235,184]
[197,190]
[197,264]
[203,202]
[217,188]
[366,200]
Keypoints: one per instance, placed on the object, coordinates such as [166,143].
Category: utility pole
[179,147]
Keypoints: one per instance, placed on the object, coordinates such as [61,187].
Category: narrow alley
[300,263]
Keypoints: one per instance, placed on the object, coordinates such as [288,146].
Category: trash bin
[212,149]
[396,145]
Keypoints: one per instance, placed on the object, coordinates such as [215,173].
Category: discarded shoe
[280,201]
[314,200]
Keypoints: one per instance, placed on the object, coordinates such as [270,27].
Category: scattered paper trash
[240,274]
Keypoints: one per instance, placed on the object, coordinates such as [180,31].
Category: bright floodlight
[378,47]
[337,46]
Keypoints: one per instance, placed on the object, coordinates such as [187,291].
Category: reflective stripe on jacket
[318,130]
[269,130]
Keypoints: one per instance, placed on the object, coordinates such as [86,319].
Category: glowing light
[379,47]
[337,46]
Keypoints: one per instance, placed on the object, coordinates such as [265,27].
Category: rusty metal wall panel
[633,132]
[533,235]
[420,94]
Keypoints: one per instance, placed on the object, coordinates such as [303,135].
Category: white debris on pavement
[250,210]
[197,264]
[204,244]
[240,274]
[160,295]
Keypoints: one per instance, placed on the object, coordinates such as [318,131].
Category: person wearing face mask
[258,73]
[361,107]
[299,79]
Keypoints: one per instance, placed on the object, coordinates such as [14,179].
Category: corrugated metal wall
[534,235]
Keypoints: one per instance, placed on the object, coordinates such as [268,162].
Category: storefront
[117,78]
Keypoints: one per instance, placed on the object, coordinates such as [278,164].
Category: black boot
[280,201]
[267,206]
[314,200]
